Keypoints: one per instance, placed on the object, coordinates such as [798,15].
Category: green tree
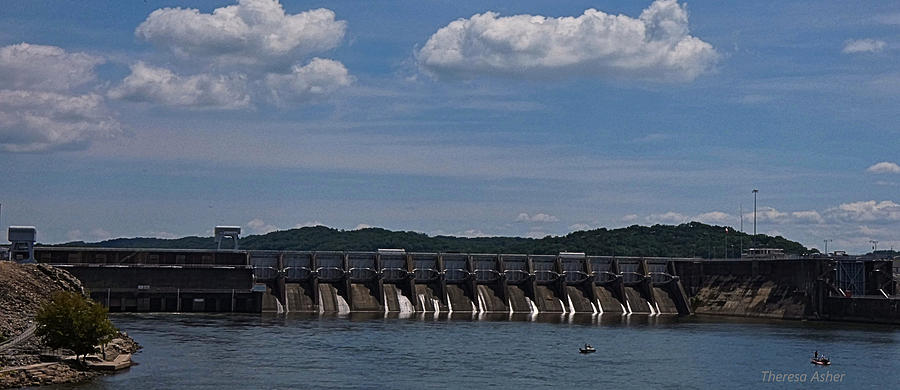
[71,321]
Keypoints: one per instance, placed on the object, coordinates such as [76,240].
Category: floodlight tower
[755,191]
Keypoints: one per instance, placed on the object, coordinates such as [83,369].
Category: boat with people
[587,349]
[820,360]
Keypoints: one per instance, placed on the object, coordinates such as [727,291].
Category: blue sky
[450,117]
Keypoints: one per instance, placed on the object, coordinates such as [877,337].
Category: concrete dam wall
[337,282]
[343,282]
[814,289]
[177,280]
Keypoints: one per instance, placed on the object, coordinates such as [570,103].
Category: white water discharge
[651,309]
[509,302]
[287,301]
[629,307]
[449,304]
[571,305]
[384,294]
[562,306]
[342,306]
[278,307]
[321,306]
[593,308]
[406,305]
[422,301]
[437,306]
[657,308]
[482,304]
[534,309]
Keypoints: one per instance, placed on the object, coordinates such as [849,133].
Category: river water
[373,352]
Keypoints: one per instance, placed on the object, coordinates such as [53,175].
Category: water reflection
[548,318]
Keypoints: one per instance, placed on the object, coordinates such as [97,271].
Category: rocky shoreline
[24,360]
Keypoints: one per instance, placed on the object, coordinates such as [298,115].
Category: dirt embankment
[24,288]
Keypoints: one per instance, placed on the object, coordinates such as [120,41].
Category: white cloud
[807,216]
[630,218]
[35,121]
[472,233]
[308,224]
[866,211]
[768,214]
[44,68]
[258,226]
[656,46]
[669,217]
[580,226]
[539,217]
[159,85]
[362,226]
[715,218]
[884,167]
[248,51]
[536,234]
[318,77]
[252,32]
[96,234]
[39,108]
[863,46]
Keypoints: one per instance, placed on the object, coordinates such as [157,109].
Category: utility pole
[826,245]
[742,231]
[755,191]
[874,247]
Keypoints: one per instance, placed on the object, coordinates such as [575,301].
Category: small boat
[822,361]
[587,349]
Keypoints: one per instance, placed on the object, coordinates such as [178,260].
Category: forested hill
[686,240]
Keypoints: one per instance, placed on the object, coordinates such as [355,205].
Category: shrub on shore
[71,321]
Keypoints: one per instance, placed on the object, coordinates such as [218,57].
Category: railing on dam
[487,269]
[388,266]
[394,268]
[515,269]
[297,267]
[362,266]
[426,267]
[456,268]
[575,269]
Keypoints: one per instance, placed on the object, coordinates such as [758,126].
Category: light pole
[826,245]
[755,191]
[874,247]
[742,230]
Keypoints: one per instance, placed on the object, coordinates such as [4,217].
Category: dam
[396,281]
[176,280]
